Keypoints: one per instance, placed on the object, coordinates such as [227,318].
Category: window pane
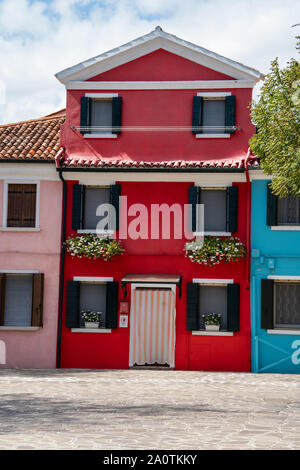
[101,115]
[214,209]
[93,198]
[287,304]
[21,205]
[18,300]
[213,299]
[93,297]
[214,115]
[289,210]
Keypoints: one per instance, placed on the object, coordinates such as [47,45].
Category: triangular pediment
[154,41]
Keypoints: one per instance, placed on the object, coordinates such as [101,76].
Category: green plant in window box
[91,319]
[212,321]
[215,250]
[92,247]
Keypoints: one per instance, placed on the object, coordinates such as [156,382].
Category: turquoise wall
[273,253]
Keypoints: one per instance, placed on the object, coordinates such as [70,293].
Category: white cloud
[40,38]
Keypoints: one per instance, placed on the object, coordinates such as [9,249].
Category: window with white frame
[21,203]
[289,210]
[213,114]
[213,118]
[93,298]
[215,209]
[213,299]
[287,304]
[21,299]
[100,115]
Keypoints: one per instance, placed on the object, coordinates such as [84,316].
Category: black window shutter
[115,193]
[267,304]
[193,201]
[232,208]
[111,316]
[85,115]
[77,207]
[72,315]
[2,297]
[37,299]
[233,307]
[192,306]
[116,114]
[229,114]
[272,202]
[197,114]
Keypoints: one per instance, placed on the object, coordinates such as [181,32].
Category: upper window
[100,115]
[213,114]
[220,209]
[282,211]
[213,119]
[21,205]
[289,211]
[21,299]
[215,209]
[87,211]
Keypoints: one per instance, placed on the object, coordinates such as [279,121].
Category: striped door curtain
[152,327]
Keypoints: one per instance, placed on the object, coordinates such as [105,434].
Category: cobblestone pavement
[147,409]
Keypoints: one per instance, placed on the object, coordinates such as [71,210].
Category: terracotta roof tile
[37,139]
[94,162]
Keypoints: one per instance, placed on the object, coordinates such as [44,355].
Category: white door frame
[153,286]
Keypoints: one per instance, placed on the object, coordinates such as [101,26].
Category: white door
[152,326]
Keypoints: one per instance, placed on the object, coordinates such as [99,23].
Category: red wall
[158,108]
[84,350]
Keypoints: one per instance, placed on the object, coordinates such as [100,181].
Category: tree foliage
[277,117]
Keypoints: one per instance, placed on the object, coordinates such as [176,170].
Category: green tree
[277,117]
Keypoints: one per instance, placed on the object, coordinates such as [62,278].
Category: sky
[39,38]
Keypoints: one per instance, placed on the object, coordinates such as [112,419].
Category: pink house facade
[30,239]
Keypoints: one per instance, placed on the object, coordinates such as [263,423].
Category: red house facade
[158,121]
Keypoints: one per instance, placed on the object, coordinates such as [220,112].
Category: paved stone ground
[146,409]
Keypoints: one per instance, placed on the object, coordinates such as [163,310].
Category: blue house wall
[273,253]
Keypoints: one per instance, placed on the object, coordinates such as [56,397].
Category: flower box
[212,327]
[91,324]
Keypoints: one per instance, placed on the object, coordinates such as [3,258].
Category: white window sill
[90,330]
[100,136]
[283,332]
[212,136]
[20,229]
[214,234]
[212,333]
[286,227]
[19,328]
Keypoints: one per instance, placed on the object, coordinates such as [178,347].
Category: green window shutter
[115,193]
[37,300]
[267,304]
[72,315]
[232,208]
[193,201]
[77,206]
[229,113]
[116,114]
[2,297]
[272,202]
[85,110]
[233,307]
[192,306]
[197,114]
[111,316]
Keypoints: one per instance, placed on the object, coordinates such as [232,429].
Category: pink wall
[36,251]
